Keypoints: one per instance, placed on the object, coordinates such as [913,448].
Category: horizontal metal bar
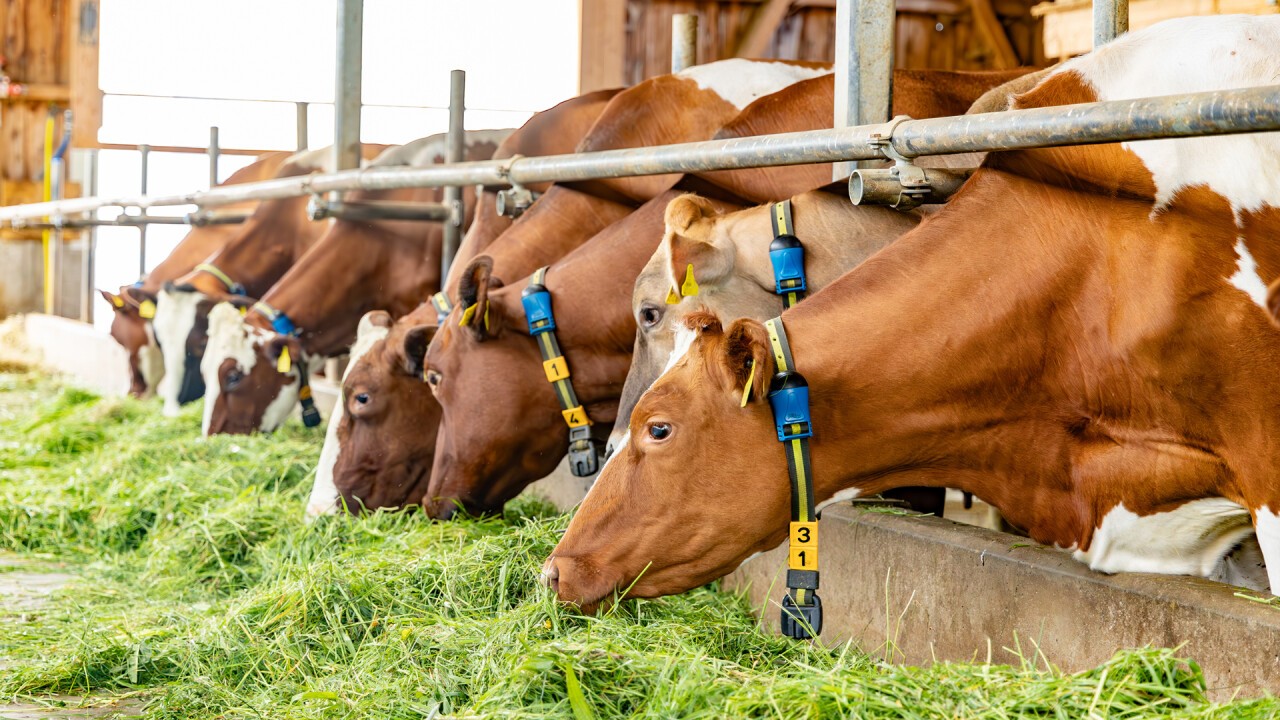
[323,209]
[217,217]
[1216,113]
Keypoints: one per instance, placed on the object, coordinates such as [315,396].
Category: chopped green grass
[203,592]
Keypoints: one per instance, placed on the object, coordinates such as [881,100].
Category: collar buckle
[801,622]
[537,309]
[786,254]
[584,452]
[789,399]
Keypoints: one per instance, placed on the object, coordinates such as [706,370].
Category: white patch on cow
[1267,524]
[741,82]
[174,320]
[314,159]
[618,447]
[1190,540]
[277,411]
[840,496]
[425,151]
[229,337]
[150,361]
[1246,277]
[324,493]
[683,340]
[1187,55]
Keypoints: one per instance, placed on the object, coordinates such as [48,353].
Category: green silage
[203,592]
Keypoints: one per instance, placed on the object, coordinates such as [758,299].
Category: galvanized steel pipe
[684,41]
[455,151]
[347,91]
[1216,113]
[1110,20]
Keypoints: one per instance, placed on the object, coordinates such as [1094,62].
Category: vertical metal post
[214,153]
[684,41]
[57,180]
[144,152]
[1110,20]
[88,238]
[454,152]
[347,93]
[302,130]
[864,67]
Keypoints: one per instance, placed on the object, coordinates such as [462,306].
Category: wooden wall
[943,34]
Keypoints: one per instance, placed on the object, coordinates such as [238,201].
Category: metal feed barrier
[862,133]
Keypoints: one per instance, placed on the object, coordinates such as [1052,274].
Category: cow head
[694,269]
[500,427]
[382,434]
[182,331]
[674,506]
[136,335]
[247,386]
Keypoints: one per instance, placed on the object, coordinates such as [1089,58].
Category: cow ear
[692,257]
[116,302]
[748,360]
[373,319]
[285,352]
[414,347]
[473,292]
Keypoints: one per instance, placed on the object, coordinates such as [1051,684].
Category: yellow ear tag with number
[467,315]
[117,301]
[746,389]
[690,286]
[147,310]
[284,364]
[673,297]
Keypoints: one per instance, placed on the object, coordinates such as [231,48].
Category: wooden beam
[86,98]
[989,27]
[602,44]
[764,22]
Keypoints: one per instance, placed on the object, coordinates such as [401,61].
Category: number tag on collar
[804,534]
[147,310]
[556,369]
[284,364]
[575,417]
[803,558]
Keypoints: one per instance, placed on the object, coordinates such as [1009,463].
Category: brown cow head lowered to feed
[707,527]
[135,335]
[491,354]
[386,434]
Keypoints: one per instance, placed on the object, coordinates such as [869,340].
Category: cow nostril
[551,575]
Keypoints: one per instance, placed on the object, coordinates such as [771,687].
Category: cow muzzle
[192,387]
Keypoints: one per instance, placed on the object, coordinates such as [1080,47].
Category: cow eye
[649,316]
[660,431]
[232,379]
[363,398]
[433,378]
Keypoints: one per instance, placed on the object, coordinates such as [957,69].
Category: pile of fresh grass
[204,593]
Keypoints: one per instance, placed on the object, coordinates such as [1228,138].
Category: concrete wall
[22,278]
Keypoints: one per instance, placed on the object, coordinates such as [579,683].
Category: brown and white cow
[135,332]
[356,267]
[1080,338]
[268,244]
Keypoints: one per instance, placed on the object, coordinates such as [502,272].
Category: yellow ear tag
[486,317]
[673,298]
[467,314]
[284,364]
[117,301]
[690,287]
[746,389]
[147,310]
[243,311]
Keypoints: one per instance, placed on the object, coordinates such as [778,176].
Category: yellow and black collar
[232,286]
[584,452]
[789,399]
[786,254]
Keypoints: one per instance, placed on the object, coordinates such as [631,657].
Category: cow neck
[355,268]
[275,236]
[918,354]
[835,234]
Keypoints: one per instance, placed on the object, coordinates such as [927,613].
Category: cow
[365,452]
[1080,337]
[315,308]
[129,327]
[478,469]
[268,244]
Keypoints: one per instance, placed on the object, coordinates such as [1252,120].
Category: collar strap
[232,286]
[310,414]
[279,321]
[443,307]
[584,452]
[786,254]
[789,399]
